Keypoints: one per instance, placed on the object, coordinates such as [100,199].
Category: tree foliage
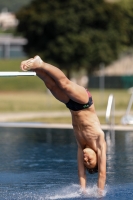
[73,33]
[127,9]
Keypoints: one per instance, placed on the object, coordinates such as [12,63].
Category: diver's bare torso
[86,127]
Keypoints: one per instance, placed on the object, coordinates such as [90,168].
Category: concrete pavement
[17,116]
[14,120]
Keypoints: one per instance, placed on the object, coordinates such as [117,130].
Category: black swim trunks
[72,105]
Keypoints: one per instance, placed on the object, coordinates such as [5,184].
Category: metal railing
[128,118]
[110,112]
[110,120]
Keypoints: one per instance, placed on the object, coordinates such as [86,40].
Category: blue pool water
[40,164]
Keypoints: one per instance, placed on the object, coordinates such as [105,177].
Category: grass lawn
[36,101]
[18,101]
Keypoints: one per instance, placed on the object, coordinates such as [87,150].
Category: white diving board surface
[12,74]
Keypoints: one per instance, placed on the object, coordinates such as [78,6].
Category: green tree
[73,33]
[127,9]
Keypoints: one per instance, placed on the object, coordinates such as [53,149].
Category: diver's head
[90,160]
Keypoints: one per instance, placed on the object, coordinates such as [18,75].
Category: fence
[112,82]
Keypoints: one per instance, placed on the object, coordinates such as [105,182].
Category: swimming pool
[39,164]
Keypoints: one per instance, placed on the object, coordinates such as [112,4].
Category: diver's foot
[31,64]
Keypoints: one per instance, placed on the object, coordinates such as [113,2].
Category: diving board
[14,73]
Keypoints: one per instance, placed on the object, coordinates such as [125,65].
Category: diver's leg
[52,86]
[71,89]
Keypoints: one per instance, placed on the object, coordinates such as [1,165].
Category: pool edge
[59,126]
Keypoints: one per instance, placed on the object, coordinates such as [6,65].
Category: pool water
[41,164]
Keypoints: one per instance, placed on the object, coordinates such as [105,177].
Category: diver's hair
[93,170]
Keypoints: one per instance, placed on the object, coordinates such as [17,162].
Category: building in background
[10,46]
[7,20]
[119,74]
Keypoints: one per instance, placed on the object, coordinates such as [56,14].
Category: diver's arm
[81,169]
[101,164]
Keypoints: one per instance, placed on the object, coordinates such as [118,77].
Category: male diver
[91,153]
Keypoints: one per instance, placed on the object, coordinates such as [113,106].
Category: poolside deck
[59,126]
[14,120]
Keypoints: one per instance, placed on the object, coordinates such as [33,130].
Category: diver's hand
[100,193]
[83,192]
